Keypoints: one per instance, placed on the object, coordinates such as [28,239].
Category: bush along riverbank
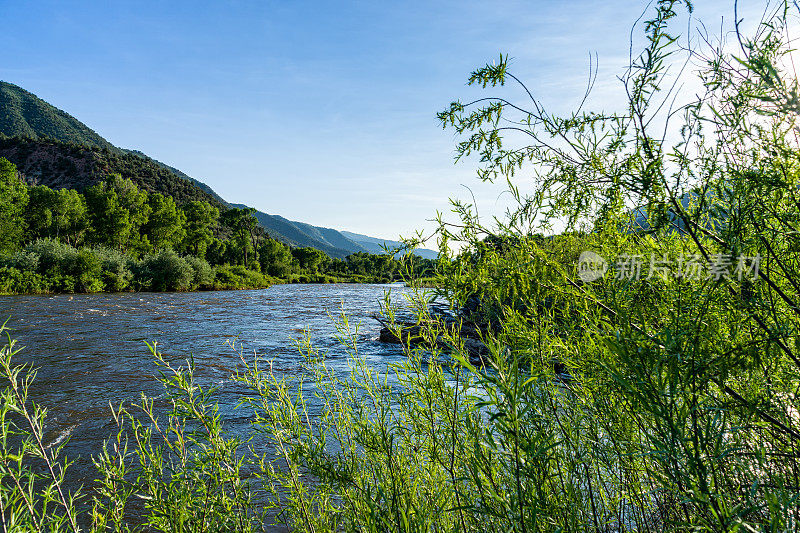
[50,266]
[642,367]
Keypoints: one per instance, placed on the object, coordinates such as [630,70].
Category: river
[90,348]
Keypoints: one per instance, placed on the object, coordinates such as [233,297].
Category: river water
[90,349]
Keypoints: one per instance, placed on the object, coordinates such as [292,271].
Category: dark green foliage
[309,258]
[276,258]
[85,268]
[13,200]
[124,223]
[58,214]
[81,166]
[26,115]
[48,265]
[201,219]
[166,223]
[381,266]
[117,211]
[199,184]
[217,251]
[39,212]
[13,280]
[61,267]
[241,224]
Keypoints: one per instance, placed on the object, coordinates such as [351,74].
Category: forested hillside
[50,147]
[375,245]
[24,114]
[76,166]
[78,214]
[335,243]
[299,234]
[180,174]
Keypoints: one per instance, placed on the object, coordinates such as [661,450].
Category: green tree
[242,224]
[276,258]
[358,263]
[310,259]
[117,210]
[134,201]
[70,216]
[217,251]
[59,214]
[166,226]
[39,212]
[13,200]
[201,218]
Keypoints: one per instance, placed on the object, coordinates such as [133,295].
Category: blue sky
[318,111]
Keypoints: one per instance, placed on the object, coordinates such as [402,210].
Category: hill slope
[180,174]
[51,147]
[74,166]
[301,234]
[375,245]
[336,243]
[24,114]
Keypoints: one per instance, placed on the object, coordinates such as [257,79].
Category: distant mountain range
[375,245]
[53,148]
[332,242]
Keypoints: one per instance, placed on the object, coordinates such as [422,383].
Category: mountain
[51,147]
[714,213]
[180,174]
[23,114]
[336,243]
[375,245]
[300,235]
[62,165]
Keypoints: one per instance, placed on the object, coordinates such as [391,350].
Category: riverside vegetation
[629,403]
[116,237]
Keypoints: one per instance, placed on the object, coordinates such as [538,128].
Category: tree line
[117,236]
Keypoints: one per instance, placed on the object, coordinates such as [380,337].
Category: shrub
[14,281]
[202,272]
[238,277]
[22,260]
[166,271]
[62,283]
[84,266]
[117,269]
[53,255]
